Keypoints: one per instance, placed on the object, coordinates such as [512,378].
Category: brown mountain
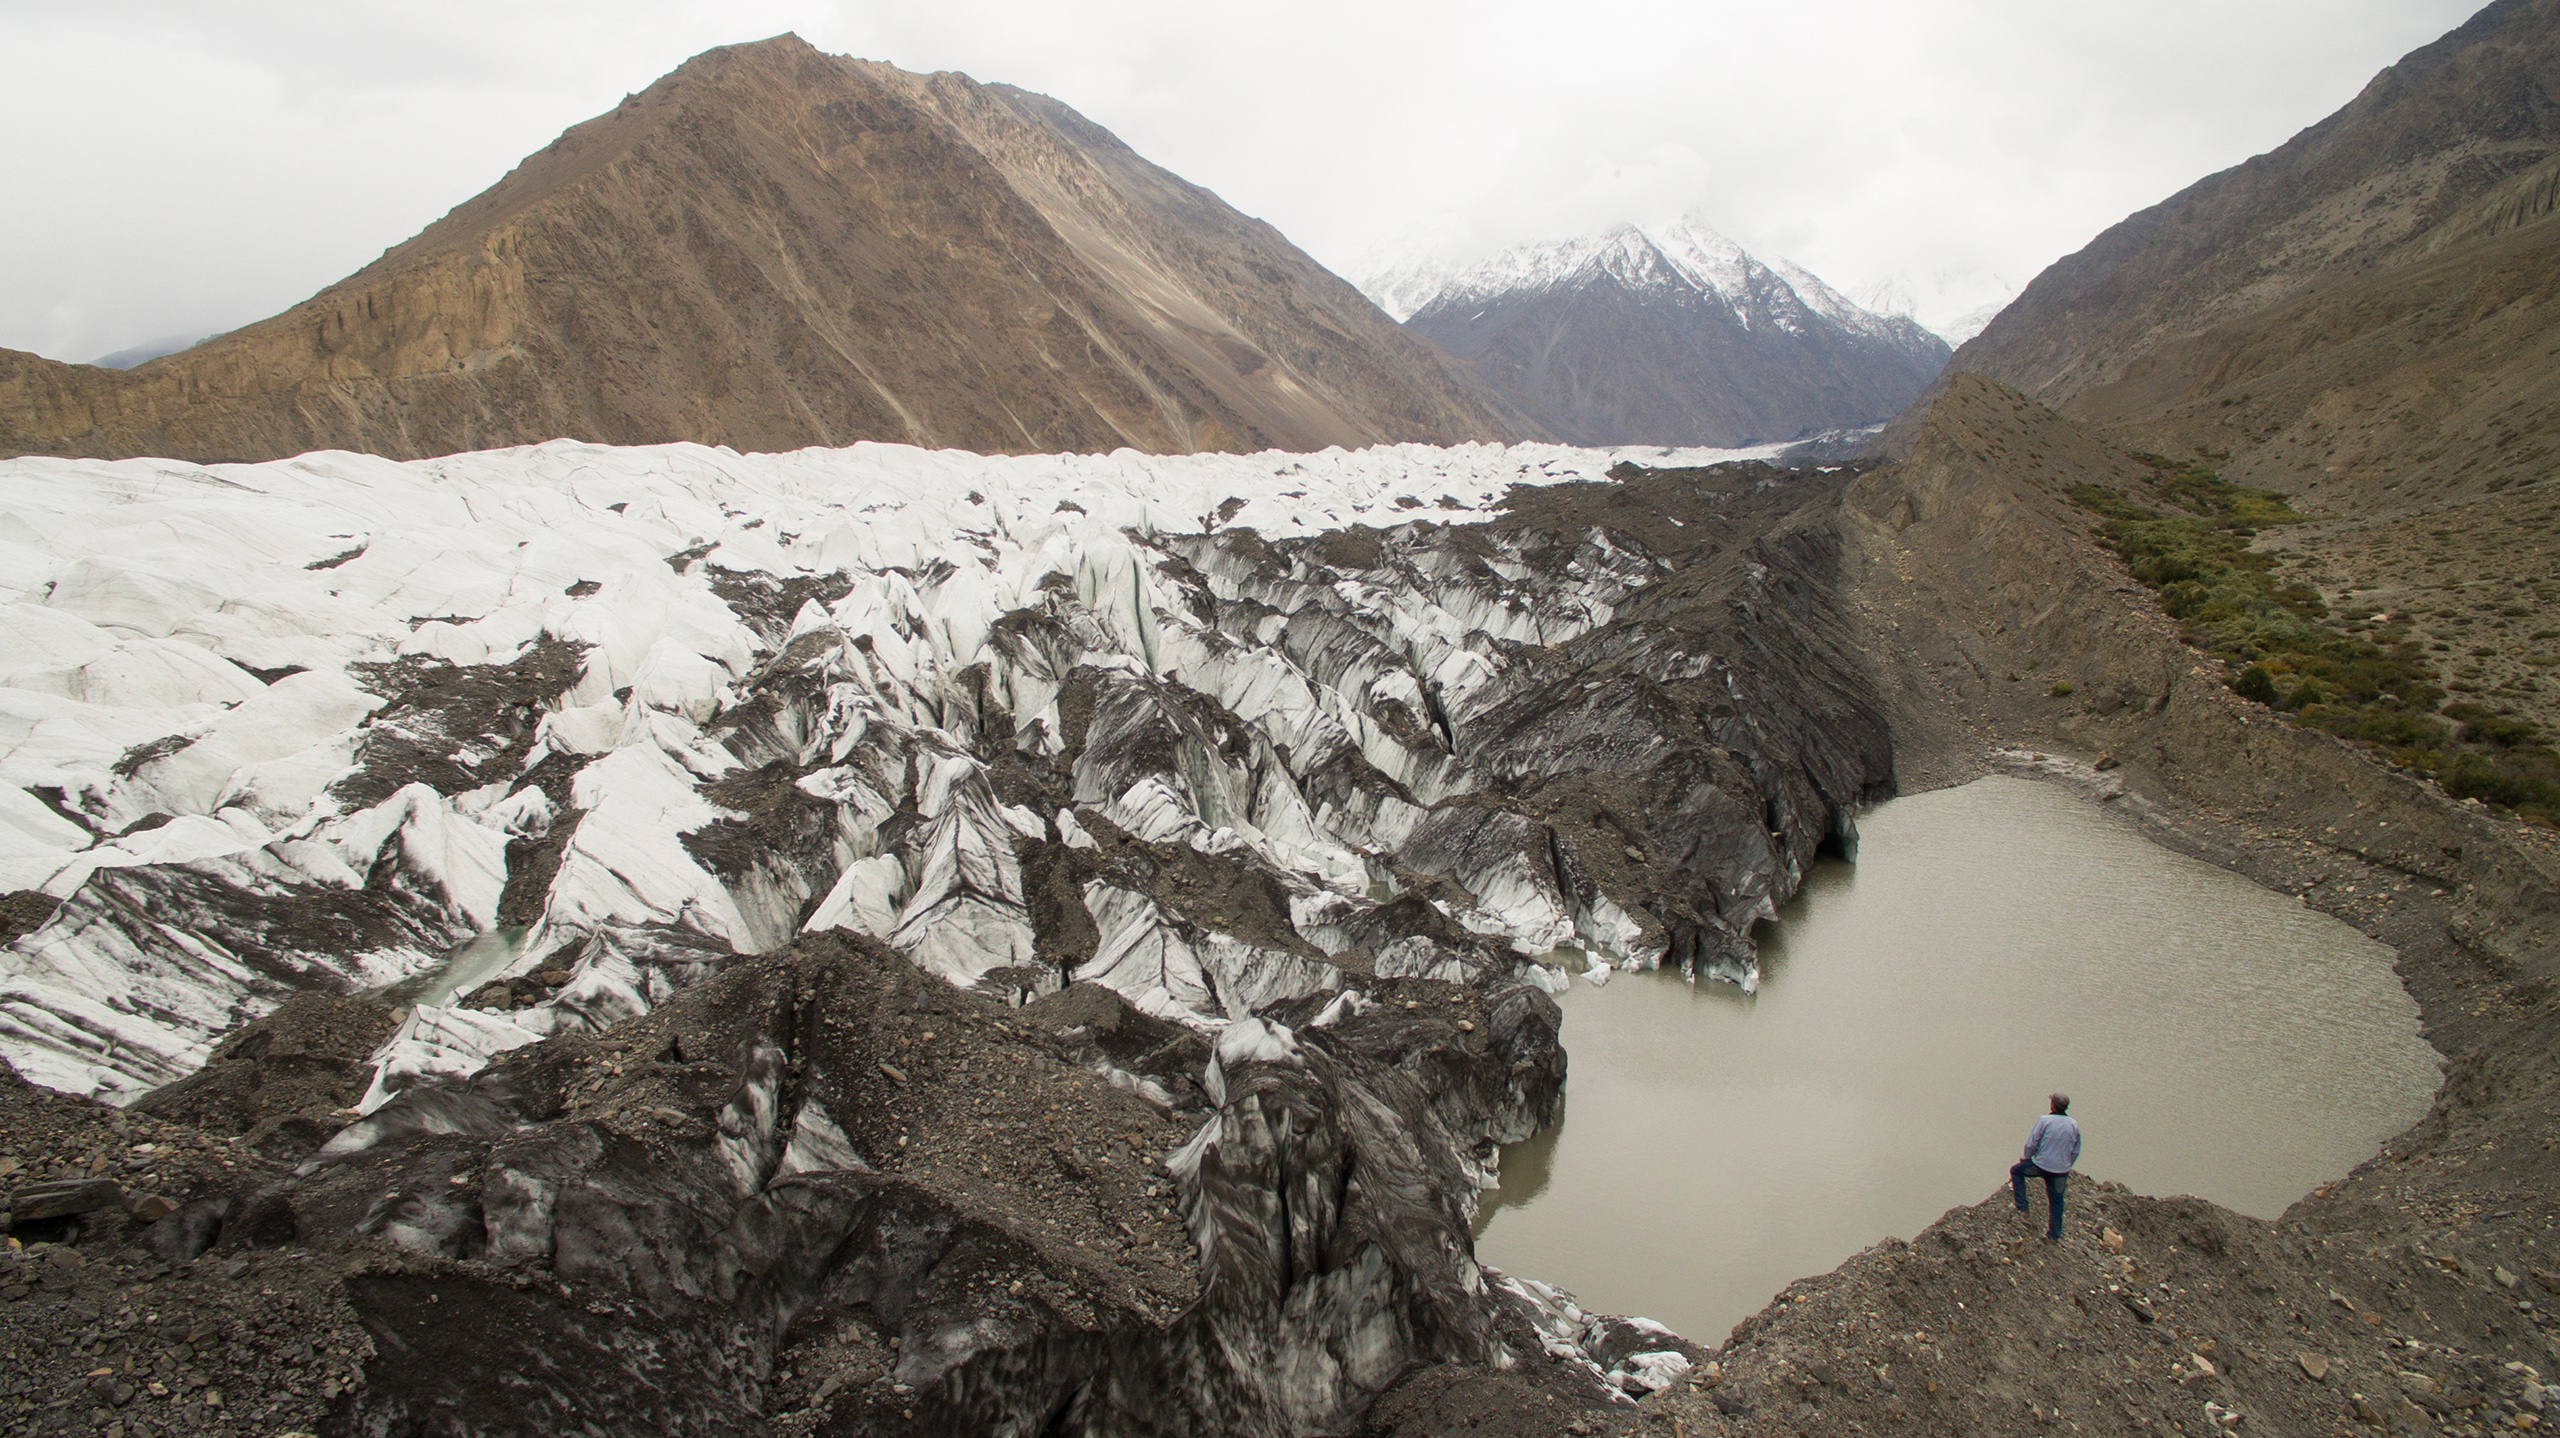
[2367,315]
[771,248]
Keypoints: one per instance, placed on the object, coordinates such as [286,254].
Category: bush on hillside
[2346,674]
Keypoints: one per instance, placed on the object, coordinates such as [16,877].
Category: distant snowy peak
[1835,306]
[1401,289]
[1972,322]
[1684,256]
[1669,334]
[1953,305]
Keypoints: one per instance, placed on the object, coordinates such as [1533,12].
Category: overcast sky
[178,167]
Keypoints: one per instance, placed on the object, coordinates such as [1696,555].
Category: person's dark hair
[2061,1102]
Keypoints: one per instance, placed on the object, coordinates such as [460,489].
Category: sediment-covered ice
[313,722]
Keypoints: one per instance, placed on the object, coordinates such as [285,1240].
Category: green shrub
[2370,683]
[2484,726]
[2062,689]
[2474,777]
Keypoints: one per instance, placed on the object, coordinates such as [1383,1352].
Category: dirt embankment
[2409,1297]
[1986,589]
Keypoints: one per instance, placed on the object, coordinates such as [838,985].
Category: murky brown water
[1993,943]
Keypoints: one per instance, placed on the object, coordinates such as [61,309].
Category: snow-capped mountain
[1402,288]
[1668,334]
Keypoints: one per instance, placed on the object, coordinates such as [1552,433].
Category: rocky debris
[826,1190]
[1460,1398]
[1160,1059]
[63,1198]
[104,1334]
[283,1082]
[454,727]
[24,912]
[1978,1326]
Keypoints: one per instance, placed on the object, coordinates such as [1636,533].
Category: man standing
[2053,1146]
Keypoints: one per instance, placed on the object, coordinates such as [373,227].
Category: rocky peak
[1685,255]
[1670,334]
[771,248]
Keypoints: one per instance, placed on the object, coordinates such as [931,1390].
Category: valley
[843,761]
[1125,1185]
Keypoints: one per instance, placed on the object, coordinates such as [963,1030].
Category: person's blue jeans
[2053,1186]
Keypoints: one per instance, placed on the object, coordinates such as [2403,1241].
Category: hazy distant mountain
[1401,289]
[1667,334]
[2366,314]
[772,248]
[132,355]
[1954,306]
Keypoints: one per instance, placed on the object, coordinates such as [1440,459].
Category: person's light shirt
[2054,1143]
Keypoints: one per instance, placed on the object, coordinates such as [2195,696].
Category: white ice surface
[139,595]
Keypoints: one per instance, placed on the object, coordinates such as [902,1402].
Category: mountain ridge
[2314,318]
[770,248]
[1669,334]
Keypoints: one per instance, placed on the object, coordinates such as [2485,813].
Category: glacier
[280,726]
[707,815]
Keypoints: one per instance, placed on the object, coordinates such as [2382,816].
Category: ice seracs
[668,787]
[300,723]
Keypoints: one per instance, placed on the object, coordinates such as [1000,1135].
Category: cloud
[195,167]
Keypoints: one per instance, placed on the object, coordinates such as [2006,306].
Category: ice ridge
[313,722]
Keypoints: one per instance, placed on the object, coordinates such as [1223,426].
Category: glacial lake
[1993,943]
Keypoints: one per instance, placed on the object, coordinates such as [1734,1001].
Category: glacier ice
[1279,788]
[313,722]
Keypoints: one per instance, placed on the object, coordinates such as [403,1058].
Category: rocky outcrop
[772,248]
